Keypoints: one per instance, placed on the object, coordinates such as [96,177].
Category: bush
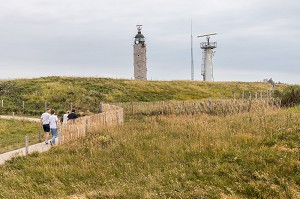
[290,96]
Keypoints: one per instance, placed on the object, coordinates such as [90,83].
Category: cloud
[90,37]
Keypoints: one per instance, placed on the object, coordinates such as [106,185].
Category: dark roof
[139,35]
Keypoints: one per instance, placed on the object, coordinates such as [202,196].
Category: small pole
[39,136]
[26,144]
[163,107]
[2,103]
[100,108]
[23,105]
[71,106]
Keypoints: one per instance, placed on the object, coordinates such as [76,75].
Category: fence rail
[213,107]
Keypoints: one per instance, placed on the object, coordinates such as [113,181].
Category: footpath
[40,147]
[19,118]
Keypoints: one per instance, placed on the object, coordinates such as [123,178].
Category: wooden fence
[74,129]
[213,107]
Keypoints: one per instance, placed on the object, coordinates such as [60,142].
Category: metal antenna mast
[192,53]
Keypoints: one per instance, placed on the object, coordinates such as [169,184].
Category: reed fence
[74,129]
[212,107]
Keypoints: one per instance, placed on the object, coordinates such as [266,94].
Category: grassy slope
[251,156]
[13,133]
[87,93]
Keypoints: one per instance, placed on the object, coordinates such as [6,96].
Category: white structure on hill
[207,55]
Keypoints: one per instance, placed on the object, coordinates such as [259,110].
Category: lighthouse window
[138,55]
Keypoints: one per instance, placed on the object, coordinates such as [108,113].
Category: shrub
[290,96]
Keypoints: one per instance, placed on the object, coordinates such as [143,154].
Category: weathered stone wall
[140,62]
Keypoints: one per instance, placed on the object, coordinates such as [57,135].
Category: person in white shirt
[65,117]
[45,124]
[53,126]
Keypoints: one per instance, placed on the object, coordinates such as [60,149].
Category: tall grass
[85,94]
[212,107]
[248,155]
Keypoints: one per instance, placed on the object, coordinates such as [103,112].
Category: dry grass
[249,155]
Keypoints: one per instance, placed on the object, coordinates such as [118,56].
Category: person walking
[72,116]
[65,117]
[45,124]
[53,126]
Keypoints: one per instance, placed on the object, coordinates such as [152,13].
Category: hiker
[72,116]
[65,117]
[45,124]
[53,126]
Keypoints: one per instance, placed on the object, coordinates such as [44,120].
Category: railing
[212,107]
[74,129]
[208,45]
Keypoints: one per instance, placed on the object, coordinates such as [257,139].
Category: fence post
[100,108]
[26,145]
[86,124]
[117,115]
[23,105]
[39,136]
[2,103]
[163,107]
[243,94]
[60,134]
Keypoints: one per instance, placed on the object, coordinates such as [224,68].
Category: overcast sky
[257,39]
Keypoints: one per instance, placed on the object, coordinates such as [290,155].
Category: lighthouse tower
[139,56]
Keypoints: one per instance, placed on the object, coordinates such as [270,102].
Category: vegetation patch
[250,155]
[13,134]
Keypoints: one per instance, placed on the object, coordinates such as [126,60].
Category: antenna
[207,35]
[192,53]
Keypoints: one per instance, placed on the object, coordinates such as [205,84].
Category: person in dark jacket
[72,115]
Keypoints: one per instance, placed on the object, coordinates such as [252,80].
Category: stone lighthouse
[139,56]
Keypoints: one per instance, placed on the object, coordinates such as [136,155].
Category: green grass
[13,133]
[86,93]
[200,156]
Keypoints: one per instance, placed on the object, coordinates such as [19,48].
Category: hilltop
[85,94]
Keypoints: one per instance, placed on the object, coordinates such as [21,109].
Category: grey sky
[257,39]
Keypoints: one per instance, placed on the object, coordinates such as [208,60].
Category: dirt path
[40,147]
[19,118]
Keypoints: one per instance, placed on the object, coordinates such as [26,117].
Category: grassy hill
[201,156]
[62,93]
[250,155]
